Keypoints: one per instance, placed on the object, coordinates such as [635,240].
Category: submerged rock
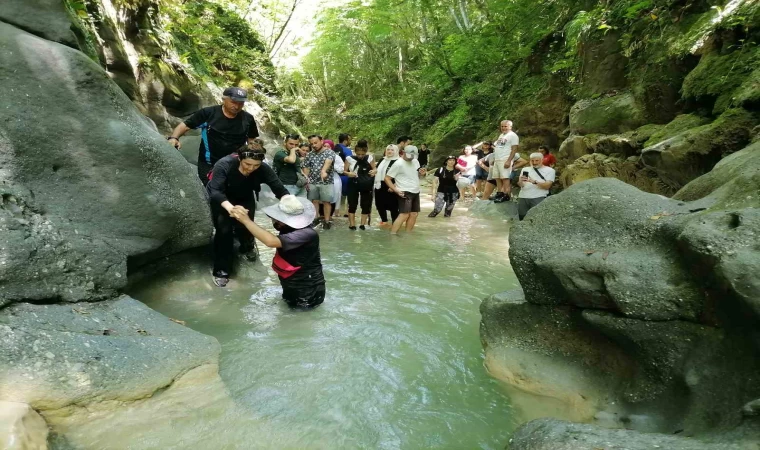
[487,208]
[21,428]
[73,355]
[550,434]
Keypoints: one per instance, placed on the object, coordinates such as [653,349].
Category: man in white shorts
[505,148]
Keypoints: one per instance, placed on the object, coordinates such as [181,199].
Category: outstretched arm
[266,238]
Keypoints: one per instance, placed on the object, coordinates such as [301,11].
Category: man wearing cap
[406,172]
[224,128]
[297,261]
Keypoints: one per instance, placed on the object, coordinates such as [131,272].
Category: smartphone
[525,173]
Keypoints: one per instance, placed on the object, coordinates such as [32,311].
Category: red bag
[462,162]
[282,267]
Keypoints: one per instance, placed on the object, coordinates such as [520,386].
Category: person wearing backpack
[361,182]
[224,128]
[535,182]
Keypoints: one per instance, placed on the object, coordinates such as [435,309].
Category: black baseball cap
[236,94]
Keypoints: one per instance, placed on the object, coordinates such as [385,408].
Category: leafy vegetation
[447,71]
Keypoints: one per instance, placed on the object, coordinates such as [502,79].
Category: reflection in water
[391,360]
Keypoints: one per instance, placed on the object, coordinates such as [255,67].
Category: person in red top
[549,159]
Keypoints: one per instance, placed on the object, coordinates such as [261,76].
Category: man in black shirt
[224,128]
[234,181]
[424,155]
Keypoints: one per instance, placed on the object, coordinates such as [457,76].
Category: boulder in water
[88,184]
[666,287]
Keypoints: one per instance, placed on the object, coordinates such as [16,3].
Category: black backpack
[364,181]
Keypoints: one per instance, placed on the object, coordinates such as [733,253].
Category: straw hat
[295,212]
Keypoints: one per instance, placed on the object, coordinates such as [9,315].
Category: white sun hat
[295,212]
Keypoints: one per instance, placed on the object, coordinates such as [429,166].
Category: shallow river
[391,360]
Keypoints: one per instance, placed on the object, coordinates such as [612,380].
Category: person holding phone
[535,182]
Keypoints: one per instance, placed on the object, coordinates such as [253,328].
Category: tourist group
[314,178]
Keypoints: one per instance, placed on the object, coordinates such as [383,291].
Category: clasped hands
[239,213]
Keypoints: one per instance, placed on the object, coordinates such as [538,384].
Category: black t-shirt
[225,135]
[227,183]
[301,249]
[286,171]
[447,184]
[480,153]
[422,158]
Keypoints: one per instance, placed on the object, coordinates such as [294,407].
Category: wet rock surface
[658,293]
[21,428]
[550,434]
[72,355]
[104,188]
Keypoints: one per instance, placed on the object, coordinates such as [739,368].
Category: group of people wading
[310,178]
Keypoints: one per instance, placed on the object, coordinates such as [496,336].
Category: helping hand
[372,173]
[400,194]
[323,175]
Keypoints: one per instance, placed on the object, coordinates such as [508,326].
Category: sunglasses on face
[252,155]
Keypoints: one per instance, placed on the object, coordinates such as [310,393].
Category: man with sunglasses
[224,128]
[232,187]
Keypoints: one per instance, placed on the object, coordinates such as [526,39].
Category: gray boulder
[60,355]
[87,184]
[607,115]
[48,19]
[666,288]
[551,434]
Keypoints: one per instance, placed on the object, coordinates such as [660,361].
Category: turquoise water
[391,360]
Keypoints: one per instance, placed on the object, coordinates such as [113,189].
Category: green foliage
[220,45]
[445,71]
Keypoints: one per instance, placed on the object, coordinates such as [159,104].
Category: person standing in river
[482,166]
[343,150]
[385,199]
[424,156]
[234,181]
[318,168]
[448,193]
[403,179]
[224,129]
[361,180]
[297,261]
[535,182]
[287,166]
[505,148]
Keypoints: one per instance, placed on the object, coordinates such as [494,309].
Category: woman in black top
[235,180]
[448,193]
[297,261]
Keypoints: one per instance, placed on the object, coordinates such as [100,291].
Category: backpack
[364,181]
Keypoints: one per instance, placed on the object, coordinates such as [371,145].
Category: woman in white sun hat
[297,261]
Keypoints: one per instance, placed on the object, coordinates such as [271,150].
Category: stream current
[391,360]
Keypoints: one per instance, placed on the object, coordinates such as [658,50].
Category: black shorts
[409,203]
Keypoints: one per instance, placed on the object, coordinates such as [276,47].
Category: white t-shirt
[531,190]
[352,162]
[503,145]
[472,161]
[406,175]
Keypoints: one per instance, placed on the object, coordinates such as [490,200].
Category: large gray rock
[60,355]
[45,18]
[607,115]
[694,152]
[86,181]
[667,286]
[550,434]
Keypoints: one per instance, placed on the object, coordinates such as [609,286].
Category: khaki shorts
[498,170]
[321,192]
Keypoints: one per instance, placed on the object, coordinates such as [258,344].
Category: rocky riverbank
[641,312]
